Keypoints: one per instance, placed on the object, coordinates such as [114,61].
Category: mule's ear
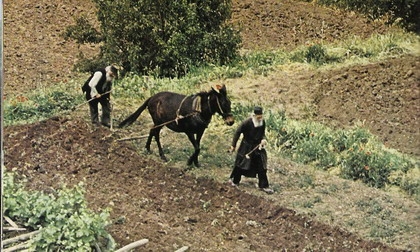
[217,88]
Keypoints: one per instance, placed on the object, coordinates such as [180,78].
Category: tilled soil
[165,205]
[158,202]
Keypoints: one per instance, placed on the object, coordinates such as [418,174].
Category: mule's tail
[133,117]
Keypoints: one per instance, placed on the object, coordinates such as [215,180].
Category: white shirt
[94,82]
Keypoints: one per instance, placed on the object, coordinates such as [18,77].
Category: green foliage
[166,38]
[37,106]
[382,221]
[395,11]
[315,54]
[65,222]
[306,181]
[376,46]
[82,32]
[261,63]
[359,154]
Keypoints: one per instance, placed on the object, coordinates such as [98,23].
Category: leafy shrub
[82,32]
[358,153]
[165,38]
[65,222]
[315,54]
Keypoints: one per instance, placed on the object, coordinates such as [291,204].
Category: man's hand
[97,96]
[263,144]
[231,149]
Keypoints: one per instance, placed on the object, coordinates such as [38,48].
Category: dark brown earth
[160,203]
[164,204]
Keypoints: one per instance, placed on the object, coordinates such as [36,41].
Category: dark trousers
[106,111]
[256,168]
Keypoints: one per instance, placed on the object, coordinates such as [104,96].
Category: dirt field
[160,203]
[166,205]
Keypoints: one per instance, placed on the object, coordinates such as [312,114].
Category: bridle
[220,107]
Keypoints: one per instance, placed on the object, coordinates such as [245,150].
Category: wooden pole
[81,104]
[132,138]
[133,245]
[20,237]
[18,247]
[183,249]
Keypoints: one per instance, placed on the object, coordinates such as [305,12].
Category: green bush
[65,222]
[82,32]
[166,38]
[315,54]
[356,151]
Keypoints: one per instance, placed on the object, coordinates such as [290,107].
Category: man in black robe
[251,159]
[98,87]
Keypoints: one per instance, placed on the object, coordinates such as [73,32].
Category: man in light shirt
[98,87]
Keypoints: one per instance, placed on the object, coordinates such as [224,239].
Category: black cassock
[256,164]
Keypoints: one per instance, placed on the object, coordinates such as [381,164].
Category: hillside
[36,56]
[166,204]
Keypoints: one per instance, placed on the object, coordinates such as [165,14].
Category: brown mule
[181,113]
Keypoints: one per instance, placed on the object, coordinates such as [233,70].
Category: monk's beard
[257,123]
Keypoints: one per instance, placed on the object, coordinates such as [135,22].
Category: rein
[174,120]
[178,116]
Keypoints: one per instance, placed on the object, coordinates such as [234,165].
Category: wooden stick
[81,104]
[183,249]
[249,153]
[179,117]
[10,222]
[110,113]
[20,246]
[22,237]
[133,245]
[132,138]
[9,229]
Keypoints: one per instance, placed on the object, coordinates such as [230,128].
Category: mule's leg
[193,157]
[195,140]
[156,134]
[198,140]
[149,140]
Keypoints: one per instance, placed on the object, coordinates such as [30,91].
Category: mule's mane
[203,93]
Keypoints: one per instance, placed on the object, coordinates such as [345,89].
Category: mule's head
[223,104]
